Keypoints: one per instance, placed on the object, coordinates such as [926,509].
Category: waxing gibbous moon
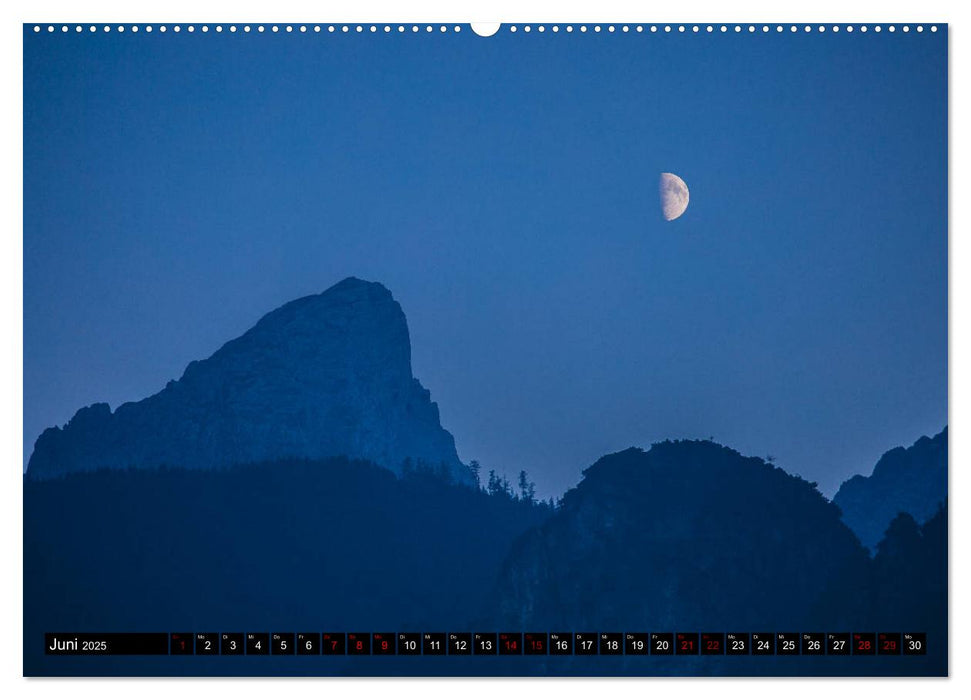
[674,196]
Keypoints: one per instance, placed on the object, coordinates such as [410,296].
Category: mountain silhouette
[321,376]
[909,480]
[347,507]
[689,534]
[910,575]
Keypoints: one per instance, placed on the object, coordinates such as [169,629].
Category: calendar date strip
[487,643]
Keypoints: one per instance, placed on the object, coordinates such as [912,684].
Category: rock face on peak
[321,376]
[909,480]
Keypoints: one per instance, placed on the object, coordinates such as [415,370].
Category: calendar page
[485,350]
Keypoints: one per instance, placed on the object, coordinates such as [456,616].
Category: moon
[674,196]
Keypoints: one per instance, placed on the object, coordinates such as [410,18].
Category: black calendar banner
[487,644]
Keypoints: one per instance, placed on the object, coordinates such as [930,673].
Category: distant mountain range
[316,406]
[322,376]
[909,480]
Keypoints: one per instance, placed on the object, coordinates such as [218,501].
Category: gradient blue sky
[177,187]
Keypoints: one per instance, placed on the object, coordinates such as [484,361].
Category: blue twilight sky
[178,187]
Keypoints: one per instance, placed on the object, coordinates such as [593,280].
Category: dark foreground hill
[324,375]
[292,545]
[689,536]
[693,536]
[910,480]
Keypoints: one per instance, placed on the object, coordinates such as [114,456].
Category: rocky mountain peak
[910,480]
[324,375]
